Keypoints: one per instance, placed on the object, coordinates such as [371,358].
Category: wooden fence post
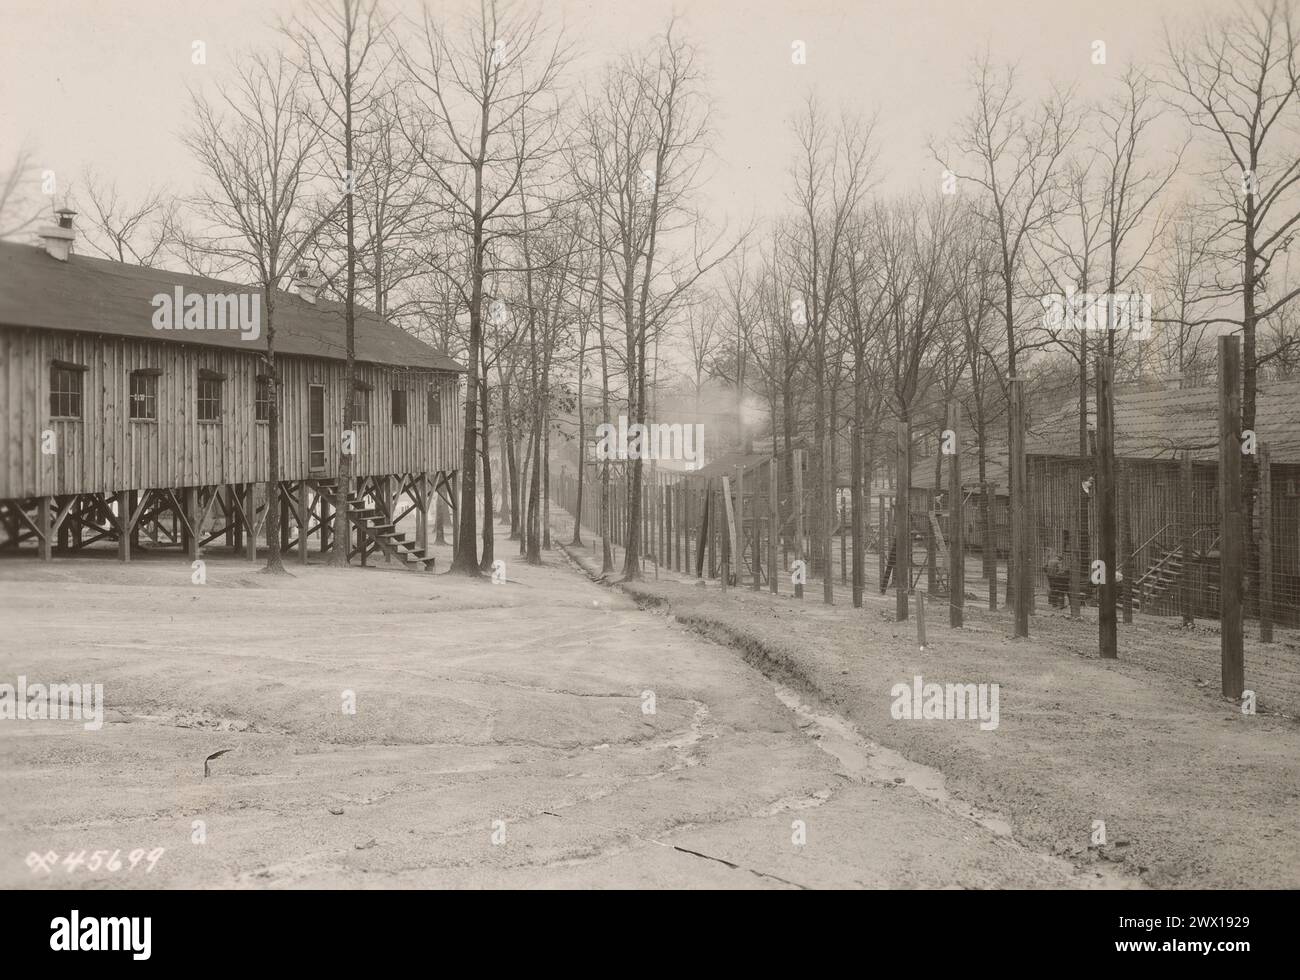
[1231,525]
[1187,531]
[1107,637]
[1020,575]
[797,505]
[1265,547]
[773,522]
[956,524]
[903,521]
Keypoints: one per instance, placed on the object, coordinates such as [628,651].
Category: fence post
[797,504]
[1265,547]
[1232,664]
[956,525]
[1107,637]
[773,522]
[1185,590]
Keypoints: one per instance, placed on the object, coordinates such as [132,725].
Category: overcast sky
[103,82]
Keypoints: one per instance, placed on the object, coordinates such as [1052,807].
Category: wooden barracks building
[114,427]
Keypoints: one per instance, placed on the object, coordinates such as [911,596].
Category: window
[144,394]
[65,390]
[435,404]
[360,403]
[399,407]
[210,395]
[263,398]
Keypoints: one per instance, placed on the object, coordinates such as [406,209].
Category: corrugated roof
[1162,424]
[101,296]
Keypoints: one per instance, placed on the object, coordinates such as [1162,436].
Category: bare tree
[255,146]
[17,210]
[479,123]
[336,44]
[1015,158]
[126,231]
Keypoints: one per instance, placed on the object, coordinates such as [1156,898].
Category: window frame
[210,381]
[405,413]
[148,398]
[260,385]
[70,370]
[361,398]
[433,403]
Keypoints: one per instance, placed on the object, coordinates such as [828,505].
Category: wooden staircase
[373,526]
[1155,583]
[1164,574]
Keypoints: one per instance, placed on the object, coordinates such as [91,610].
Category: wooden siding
[106,451]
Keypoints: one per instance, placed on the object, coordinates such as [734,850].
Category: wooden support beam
[44,513]
[250,521]
[190,532]
[420,486]
[1231,524]
[123,520]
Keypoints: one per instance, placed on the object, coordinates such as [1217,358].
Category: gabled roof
[101,296]
[1162,424]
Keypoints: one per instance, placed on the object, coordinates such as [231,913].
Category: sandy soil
[1192,792]
[513,712]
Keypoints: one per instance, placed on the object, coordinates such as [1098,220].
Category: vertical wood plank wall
[106,450]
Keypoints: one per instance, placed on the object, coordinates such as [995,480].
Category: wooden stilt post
[133,499]
[1107,637]
[1265,547]
[44,520]
[956,524]
[123,501]
[227,508]
[1231,524]
[304,522]
[1186,530]
[193,534]
[250,512]
[235,502]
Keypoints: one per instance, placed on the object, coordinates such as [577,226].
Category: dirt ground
[1192,792]
[502,736]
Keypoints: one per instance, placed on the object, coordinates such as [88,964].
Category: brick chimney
[58,238]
